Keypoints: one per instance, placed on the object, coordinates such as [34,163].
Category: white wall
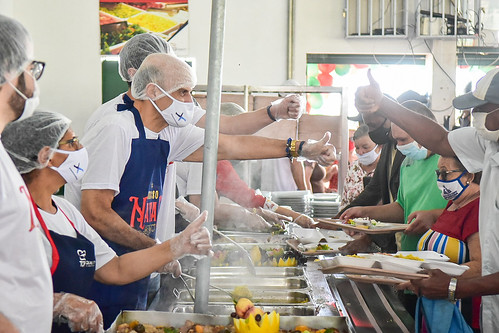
[66,37]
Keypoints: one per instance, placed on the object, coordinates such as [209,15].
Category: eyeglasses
[36,69]
[74,142]
[444,173]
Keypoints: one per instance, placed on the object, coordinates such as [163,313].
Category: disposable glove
[254,222]
[290,107]
[79,313]
[321,151]
[272,217]
[368,98]
[195,239]
[305,221]
[172,267]
[187,210]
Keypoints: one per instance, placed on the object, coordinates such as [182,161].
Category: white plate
[308,236]
[425,255]
[289,194]
[347,261]
[398,267]
[449,268]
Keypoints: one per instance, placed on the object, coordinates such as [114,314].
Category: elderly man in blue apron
[128,151]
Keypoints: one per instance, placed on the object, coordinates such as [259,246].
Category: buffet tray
[258,297]
[240,271]
[372,271]
[386,229]
[158,318]
[227,309]
[272,282]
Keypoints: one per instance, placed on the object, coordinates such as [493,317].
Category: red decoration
[308,107]
[326,68]
[360,66]
[326,80]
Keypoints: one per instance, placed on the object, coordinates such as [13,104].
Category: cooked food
[409,256]
[273,257]
[152,22]
[120,10]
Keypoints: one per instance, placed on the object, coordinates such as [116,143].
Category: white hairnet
[137,49]
[15,48]
[167,71]
[24,139]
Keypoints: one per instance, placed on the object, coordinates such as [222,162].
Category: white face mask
[413,150]
[369,157]
[31,103]
[479,124]
[452,189]
[75,165]
[178,114]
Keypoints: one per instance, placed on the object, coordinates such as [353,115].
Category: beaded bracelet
[292,149]
[288,148]
[270,113]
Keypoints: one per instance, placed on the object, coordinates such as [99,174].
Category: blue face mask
[452,189]
[412,150]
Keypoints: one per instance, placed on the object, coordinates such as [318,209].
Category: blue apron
[141,189]
[73,263]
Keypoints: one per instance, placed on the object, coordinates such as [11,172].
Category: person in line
[418,187]
[454,232]
[25,284]
[123,187]
[477,148]
[361,169]
[76,253]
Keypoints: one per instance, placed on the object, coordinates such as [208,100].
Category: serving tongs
[249,262]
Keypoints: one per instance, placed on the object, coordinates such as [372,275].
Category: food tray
[158,318]
[227,309]
[306,250]
[372,271]
[258,297]
[385,229]
[274,283]
[388,280]
[237,272]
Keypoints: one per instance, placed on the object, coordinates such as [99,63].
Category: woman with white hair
[47,153]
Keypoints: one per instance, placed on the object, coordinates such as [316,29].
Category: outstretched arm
[369,99]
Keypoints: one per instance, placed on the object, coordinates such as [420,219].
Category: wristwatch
[451,294]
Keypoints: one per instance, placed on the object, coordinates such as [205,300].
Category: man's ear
[152,91]
[44,156]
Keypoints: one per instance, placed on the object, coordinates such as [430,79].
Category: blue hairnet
[24,139]
[137,49]
[15,48]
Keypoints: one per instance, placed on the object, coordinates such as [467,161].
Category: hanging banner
[121,20]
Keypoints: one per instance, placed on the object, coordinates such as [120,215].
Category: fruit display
[272,257]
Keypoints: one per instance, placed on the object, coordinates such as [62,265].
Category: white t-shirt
[59,223]
[25,283]
[106,109]
[189,178]
[478,154]
[276,175]
[109,145]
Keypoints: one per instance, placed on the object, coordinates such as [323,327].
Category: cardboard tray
[372,271]
[391,228]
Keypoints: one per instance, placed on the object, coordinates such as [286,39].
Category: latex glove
[79,313]
[187,210]
[420,221]
[254,222]
[305,221]
[172,267]
[195,239]
[270,205]
[368,98]
[321,151]
[290,107]
[272,217]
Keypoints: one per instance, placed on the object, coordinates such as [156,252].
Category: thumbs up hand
[368,98]
[321,151]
